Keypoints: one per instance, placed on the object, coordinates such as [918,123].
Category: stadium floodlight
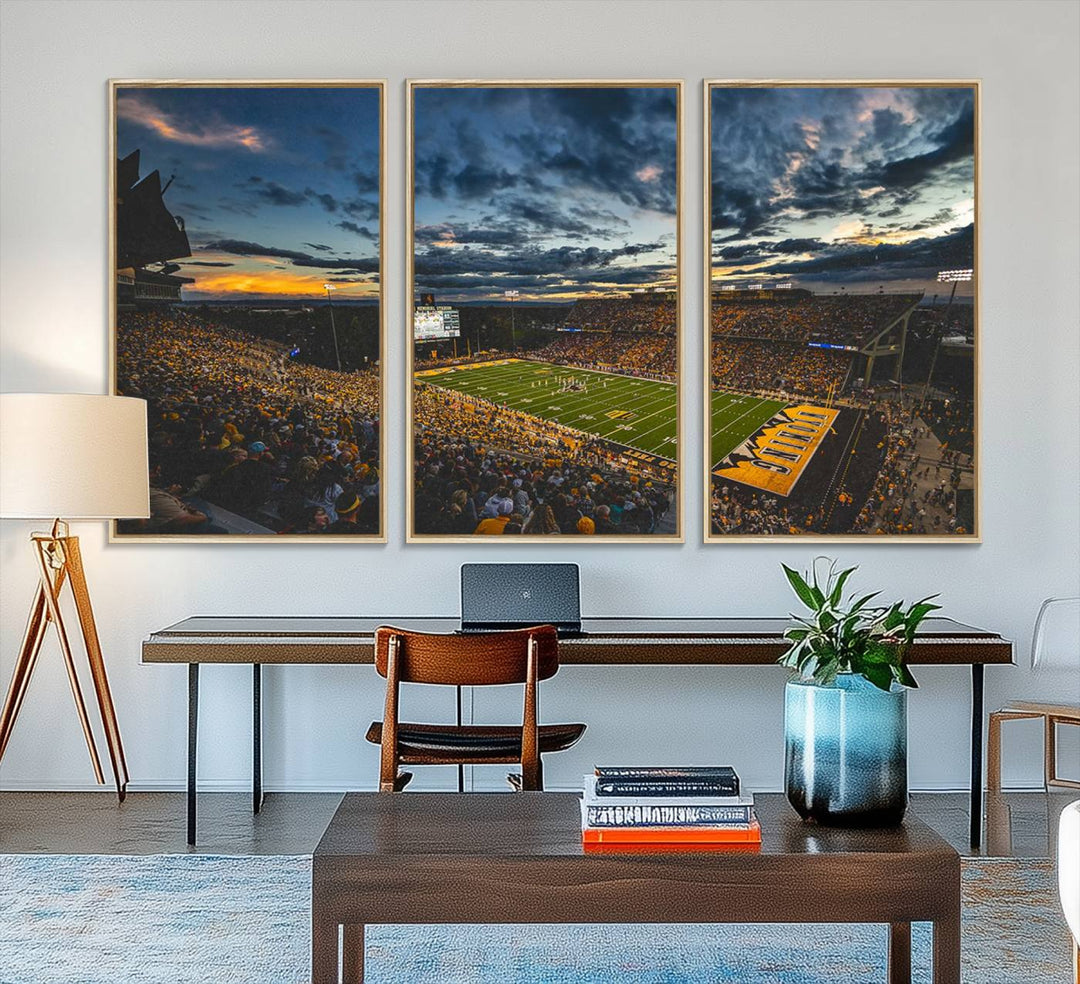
[953,277]
[755,286]
[729,287]
[784,286]
[333,327]
[512,295]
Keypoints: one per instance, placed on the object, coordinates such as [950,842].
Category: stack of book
[655,806]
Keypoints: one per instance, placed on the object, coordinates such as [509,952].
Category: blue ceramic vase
[846,751]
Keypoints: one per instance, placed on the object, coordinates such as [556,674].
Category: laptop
[497,597]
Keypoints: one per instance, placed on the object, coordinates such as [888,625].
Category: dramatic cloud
[916,259]
[273,193]
[551,190]
[532,261]
[242,248]
[802,180]
[358,230]
[262,177]
[139,108]
[361,208]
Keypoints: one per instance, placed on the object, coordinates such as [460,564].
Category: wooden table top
[607,640]
[532,825]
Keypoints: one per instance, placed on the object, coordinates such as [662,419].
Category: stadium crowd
[953,422]
[629,354]
[753,365]
[237,427]
[910,494]
[466,487]
[648,312]
[834,319]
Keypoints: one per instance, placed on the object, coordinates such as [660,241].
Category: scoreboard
[434,322]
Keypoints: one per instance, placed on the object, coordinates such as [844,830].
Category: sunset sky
[842,187]
[278,188]
[558,193]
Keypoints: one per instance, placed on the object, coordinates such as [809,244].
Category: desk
[518,858]
[604,641]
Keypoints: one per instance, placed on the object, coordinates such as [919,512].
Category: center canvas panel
[545,310]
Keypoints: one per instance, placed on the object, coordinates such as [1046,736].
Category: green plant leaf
[800,587]
[880,676]
[838,589]
[903,676]
[863,601]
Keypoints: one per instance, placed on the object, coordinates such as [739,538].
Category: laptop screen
[518,595]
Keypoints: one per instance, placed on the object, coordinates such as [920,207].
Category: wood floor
[1022,824]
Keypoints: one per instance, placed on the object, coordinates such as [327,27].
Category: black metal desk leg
[192,748]
[256,738]
[461,767]
[976,753]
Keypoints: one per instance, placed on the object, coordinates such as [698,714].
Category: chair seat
[1047,710]
[473,743]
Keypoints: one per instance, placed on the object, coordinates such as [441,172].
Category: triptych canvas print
[544,308]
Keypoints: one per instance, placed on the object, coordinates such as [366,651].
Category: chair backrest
[469,660]
[1055,643]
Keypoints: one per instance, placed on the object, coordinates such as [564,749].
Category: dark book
[622,787]
[719,780]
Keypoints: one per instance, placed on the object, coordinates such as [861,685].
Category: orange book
[699,848]
[749,834]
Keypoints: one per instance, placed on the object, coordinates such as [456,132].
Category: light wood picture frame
[544,239]
[841,360]
[247,242]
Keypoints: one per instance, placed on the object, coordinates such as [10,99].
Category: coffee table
[433,858]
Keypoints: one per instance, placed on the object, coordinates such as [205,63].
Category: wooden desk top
[613,641]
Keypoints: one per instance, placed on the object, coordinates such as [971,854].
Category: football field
[639,413]
[734,419]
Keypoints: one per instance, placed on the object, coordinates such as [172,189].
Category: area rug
[245,920]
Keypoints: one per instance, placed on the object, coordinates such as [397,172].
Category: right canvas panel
[841,303]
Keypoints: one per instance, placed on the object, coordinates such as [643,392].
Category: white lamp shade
[1055,643]
[73,456]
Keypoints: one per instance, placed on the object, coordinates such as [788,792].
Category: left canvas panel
[246,287]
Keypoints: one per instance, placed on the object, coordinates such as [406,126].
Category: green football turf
[735,418]
[651,427]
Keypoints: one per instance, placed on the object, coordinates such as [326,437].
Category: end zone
[775,456]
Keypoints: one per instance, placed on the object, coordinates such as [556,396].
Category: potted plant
[845,713]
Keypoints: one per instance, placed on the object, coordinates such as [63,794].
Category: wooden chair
[485,659]
[1055,644]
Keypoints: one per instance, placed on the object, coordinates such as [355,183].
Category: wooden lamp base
[59,560]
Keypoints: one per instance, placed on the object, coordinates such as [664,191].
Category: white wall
[55,60]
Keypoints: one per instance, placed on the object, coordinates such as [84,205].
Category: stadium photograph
[247,230]
[545,314]
[841,317]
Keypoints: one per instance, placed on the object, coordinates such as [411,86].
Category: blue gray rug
[245,920]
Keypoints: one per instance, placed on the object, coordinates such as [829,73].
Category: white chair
[1069,875]
[1055,646]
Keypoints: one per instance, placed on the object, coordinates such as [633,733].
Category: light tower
[513,296]
[953,277]
[333,327]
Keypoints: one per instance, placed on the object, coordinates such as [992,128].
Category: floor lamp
[77,457]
